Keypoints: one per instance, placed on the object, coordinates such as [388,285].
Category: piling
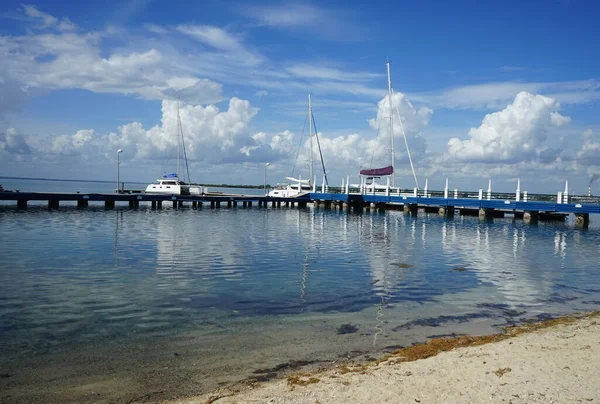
[411,208]
[159,204]
[531,216]
[22,203]
[582,219]
[108,204]
[153,204]
[228,204]
[447,211]
[486,213]
[212,204]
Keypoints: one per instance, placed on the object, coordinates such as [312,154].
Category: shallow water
[109,305]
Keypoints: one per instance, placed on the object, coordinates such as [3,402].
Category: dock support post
[53,204]
[486,213]
[272,204]
[218,204]
[249,204]
[174,204]
[131,204]
[235,204]
[109,204]
[411,208]
[278,204]
[531,216]
[381,206]
[22,203]
[287,204]
[582,219]
[228,204]
[212,204]
[153,204]
[244,204]
[194,204]
[447,211]
[159,204]
[82,203]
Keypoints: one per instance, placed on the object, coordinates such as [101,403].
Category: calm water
[181,300]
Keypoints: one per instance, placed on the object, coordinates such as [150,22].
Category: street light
[118,168]
[266,165]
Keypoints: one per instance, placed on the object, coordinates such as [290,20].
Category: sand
[554,362]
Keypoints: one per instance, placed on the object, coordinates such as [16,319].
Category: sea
[132,305]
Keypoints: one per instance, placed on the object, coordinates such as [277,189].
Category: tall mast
[391,124]
[178,140]
[310,124]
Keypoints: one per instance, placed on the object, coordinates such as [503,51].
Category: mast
[178,140]
[310,124]
[391,124]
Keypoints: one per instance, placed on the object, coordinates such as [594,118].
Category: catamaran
[368,177]
[170,183]
[298,186]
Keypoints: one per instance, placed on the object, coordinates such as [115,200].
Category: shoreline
[548,361]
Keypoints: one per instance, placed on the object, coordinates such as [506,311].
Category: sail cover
[389,170]
[170,176]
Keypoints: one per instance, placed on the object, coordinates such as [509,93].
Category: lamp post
[266,165]
[118,168]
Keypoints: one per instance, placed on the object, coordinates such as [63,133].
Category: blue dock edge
[469,203]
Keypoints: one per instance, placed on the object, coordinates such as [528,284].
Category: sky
[481,90]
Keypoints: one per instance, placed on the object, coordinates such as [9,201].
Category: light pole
[266,165]
[118,168]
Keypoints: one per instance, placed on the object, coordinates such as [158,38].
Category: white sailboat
[298,186]
[368,177]
[170,183]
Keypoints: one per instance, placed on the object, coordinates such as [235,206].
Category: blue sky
[485,90]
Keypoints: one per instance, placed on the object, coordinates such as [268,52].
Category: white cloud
[45,20]
[261,93]
[307,19]
[328,73]
[514,134]
[222,40]
[13,145]
[496,95]
[589,152]
[558,120]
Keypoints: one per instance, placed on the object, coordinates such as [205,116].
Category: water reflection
[84,275]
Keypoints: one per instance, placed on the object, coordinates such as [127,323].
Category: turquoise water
[181,300]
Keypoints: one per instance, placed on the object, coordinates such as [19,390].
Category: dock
[492,206]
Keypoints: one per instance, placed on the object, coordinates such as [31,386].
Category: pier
[489,205]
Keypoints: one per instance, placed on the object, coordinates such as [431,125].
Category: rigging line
[187,168]
[299,146]
[319,146]
[407,149]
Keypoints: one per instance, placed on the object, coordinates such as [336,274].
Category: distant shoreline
[127,182]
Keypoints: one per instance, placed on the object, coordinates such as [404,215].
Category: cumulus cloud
[210,135]
[589,152]
[349,153]
[517,133]
[13,145]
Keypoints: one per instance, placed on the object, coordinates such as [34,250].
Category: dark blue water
[281,281]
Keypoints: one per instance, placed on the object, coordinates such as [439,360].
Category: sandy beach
[557,361]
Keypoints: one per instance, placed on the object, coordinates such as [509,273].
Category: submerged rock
[401,265]
[347,329]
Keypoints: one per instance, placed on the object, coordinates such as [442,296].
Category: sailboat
[369,176]
[298,186]
[170,183]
